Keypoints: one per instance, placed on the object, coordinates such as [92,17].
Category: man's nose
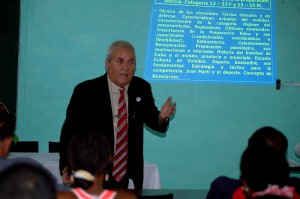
[125,66]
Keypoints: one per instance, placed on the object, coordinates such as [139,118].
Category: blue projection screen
[212,41]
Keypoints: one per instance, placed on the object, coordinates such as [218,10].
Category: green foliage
[15,138]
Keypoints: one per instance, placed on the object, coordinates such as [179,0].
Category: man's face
[121,66]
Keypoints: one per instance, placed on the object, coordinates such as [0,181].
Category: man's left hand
[167,110]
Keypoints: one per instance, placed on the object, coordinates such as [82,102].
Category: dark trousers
[112,183]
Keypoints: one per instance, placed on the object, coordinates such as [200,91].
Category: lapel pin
[138,99]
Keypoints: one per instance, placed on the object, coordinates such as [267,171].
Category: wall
[64,42]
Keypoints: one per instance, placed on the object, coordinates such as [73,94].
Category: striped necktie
[121,151]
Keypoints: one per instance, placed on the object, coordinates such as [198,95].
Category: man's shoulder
[91,83]
[139,81]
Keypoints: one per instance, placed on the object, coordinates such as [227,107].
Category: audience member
[7,128]
[223,187]
[26,181]
[265,173]
[90,156]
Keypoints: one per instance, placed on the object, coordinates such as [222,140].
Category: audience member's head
[271,137]
[263,166]
[89,157]
[7,128]
[26,181]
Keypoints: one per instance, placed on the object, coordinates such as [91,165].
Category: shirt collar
[115,88]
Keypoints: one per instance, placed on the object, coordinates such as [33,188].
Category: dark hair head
[262,165]
[89,150]
[271,137]
[26,181]
[7,122]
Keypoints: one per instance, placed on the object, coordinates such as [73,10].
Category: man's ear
[7,145]
[106,65]
[8,140]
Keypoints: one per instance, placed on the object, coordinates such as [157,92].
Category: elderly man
[119,104]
